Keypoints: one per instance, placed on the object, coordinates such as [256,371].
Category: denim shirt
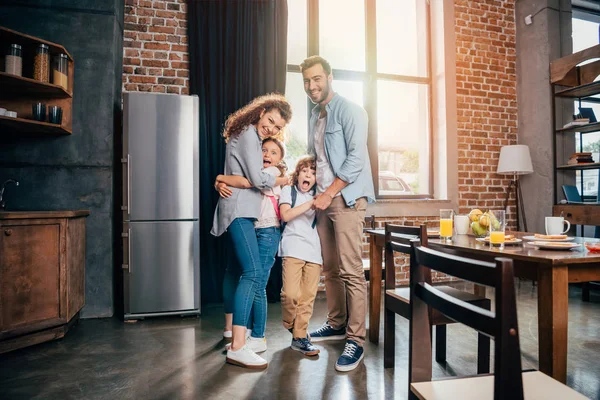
[346,147]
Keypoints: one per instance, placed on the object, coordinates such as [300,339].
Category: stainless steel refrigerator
[161,242]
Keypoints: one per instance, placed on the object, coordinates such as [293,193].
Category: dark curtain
[238,50]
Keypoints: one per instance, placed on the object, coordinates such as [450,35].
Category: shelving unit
[19,93]
[572,80]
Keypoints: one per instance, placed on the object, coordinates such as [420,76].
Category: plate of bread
[433,233]
[508,239]
[555,245]
[549,238]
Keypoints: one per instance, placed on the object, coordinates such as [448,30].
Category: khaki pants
[340,230]
[300,284]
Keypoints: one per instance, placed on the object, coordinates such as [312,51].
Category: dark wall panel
[77,171]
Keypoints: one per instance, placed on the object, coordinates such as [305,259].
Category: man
[338,139]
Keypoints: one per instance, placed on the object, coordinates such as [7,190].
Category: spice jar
[41,64]
[13,60]
[60,70]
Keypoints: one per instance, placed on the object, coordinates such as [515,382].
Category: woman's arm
[234,181]
[288,213]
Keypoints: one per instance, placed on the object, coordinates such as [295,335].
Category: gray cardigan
[243,157]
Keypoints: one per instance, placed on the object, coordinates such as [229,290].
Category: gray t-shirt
[325,175]
[300,240]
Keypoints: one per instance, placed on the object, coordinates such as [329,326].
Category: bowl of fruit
[481,221]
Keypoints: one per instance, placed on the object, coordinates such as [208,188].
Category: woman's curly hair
[303,162]
[282,166]
[251,112]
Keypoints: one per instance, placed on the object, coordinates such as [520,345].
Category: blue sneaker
[305,347]
[326,332]
[350,358]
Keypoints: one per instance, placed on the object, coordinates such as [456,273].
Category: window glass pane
[589,183]
[352,90]
[403,138]
[297,129]
[342,33]
[297,48]
[585,34]
[402,37]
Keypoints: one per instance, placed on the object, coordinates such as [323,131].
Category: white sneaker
[246,358]
[228,336]
[257,345]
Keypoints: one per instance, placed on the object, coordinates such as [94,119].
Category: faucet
[2,202]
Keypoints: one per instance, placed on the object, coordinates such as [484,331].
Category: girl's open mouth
[266,163]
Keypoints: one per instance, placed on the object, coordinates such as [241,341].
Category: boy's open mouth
[305,185]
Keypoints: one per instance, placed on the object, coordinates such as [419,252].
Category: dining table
[552,269]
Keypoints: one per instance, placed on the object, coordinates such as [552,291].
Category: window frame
[369,79]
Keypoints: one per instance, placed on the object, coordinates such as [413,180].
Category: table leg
[375,260]
[553,320]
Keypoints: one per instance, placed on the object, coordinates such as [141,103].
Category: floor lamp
[515,160]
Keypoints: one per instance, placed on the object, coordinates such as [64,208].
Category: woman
[264,117]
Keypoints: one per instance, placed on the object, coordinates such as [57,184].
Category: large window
[586,32]
[379,52]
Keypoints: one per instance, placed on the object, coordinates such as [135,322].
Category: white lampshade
[515,160]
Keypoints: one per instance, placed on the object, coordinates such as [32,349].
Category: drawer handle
[8,232]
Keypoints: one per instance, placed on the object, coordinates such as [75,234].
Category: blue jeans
[268,243]
[242,276]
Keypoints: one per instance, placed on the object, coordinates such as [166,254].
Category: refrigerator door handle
[128,236]
[128,162]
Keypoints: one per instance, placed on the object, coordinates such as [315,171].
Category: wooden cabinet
[42,275]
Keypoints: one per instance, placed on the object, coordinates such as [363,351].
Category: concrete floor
[183,358]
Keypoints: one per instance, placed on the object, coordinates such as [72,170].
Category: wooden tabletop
[522,251]
[43,214]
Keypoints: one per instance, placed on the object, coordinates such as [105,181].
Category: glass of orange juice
[446,217]
[497,226]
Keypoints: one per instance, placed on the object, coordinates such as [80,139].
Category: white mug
[555,225]
[461,224]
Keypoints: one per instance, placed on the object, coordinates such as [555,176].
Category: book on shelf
[577,122]
[580,158]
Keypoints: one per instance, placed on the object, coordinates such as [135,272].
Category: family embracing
[312,220]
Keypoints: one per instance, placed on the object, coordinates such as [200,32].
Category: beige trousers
[300,284]
[340,230]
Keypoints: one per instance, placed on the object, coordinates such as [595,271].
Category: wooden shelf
[31,126]
[582,91]
[580,166]
[27,86]
[593,127]
[11,36]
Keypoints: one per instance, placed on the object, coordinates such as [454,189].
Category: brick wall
[487,99]
[155,48]
[156,59]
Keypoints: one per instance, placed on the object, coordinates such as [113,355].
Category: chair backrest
[501,324]
[399,238]
[572,194]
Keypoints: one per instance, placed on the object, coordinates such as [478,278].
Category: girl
[301,251]
[267,232]
[265,116]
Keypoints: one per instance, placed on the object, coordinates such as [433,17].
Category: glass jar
[41,64]
[13,60]
[60,70]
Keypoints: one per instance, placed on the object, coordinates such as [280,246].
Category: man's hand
[322,201]
[223,190]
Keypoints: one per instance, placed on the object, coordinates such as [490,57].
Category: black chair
[397,300]
[507,380]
